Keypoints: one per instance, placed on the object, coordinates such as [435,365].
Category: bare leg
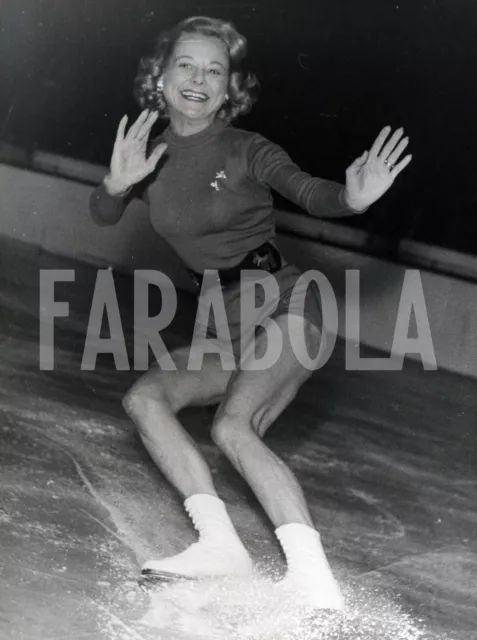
[153,403]
[254,400]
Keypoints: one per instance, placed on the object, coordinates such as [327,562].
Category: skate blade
[151,579]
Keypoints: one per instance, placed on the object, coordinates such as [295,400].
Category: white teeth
[194,96]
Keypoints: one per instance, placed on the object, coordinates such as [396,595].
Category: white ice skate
[309,580]
[218,553]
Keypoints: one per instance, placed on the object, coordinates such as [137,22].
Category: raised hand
[371,175]
[129,164]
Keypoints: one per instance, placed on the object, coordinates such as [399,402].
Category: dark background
[333,72]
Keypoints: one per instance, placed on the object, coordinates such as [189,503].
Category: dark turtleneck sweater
[210,197]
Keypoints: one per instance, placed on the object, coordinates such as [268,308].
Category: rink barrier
[45,203]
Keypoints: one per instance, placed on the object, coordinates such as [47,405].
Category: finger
[402,165]
[121,130]
[358,162]
[147,126]
[391,144]
[396,154]
[116,154]
[378,143]
[132,133]
[362,158]
[156,156]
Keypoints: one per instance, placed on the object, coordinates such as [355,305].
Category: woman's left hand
[371,175]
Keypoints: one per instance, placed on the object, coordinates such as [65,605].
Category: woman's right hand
[129,164]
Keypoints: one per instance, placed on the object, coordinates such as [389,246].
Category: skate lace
[303,561]
[195,521]
[208,529]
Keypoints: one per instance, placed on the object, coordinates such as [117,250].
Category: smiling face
[196,79]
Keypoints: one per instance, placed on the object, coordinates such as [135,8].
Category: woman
[208,188]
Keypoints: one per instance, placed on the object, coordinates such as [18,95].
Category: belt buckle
[268,261]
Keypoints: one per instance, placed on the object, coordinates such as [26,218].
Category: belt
[266,258]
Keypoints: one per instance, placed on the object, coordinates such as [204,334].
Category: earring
[160,84]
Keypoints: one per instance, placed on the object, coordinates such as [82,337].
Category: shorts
[256,299]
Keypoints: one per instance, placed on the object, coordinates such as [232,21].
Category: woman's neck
[183,126]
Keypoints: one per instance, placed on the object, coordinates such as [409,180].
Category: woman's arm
[367,178]
[132,164]
[270,164]
[107,206]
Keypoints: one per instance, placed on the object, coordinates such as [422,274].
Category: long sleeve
[107,209]
[270,164]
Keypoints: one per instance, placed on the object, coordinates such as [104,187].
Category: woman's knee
[242,417]
[146,392]
[233,428]
[229,429]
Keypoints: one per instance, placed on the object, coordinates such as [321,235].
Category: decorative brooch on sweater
[218,176]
